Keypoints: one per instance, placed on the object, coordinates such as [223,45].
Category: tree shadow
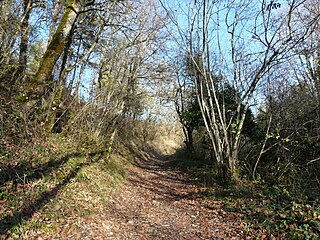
[144,153]
[30,208]
[135,220]
[167,190]
[27,172]
[172,183]
[201,171]
[168,183]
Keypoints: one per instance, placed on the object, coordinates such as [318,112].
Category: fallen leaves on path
[159,203]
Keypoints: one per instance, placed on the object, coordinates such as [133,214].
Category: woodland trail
[157,202]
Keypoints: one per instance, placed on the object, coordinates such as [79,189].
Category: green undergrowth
[46,185]
[266,212]
[262,211]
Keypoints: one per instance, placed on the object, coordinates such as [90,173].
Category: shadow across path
[160,202]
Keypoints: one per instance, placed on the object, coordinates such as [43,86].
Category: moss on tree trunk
[55,48]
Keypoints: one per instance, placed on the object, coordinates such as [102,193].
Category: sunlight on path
[159,203]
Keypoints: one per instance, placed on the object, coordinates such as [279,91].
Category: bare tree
[237,42]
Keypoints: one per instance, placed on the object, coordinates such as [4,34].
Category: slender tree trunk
[317,75]
[112,137]
[55,17]
[189,138]
[75,93]
[24,38]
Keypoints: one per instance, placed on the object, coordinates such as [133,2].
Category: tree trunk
[224,174]
[55,48]
[24,38]
[233,166]
[189,138]
[112,137]
[58,6]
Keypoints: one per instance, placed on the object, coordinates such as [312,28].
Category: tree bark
[58,6]
[24,38]
[55,48]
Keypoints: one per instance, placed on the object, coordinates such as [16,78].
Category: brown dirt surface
[158,202]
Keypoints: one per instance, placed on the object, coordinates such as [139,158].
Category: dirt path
[159,203]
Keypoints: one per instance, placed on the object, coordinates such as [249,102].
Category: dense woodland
[237,81]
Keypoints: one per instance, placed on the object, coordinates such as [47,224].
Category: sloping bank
[46,186]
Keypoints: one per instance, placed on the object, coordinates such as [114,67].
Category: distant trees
[125,66]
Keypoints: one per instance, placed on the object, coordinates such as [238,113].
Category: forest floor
[140,193]
[80,197]
[159,202]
